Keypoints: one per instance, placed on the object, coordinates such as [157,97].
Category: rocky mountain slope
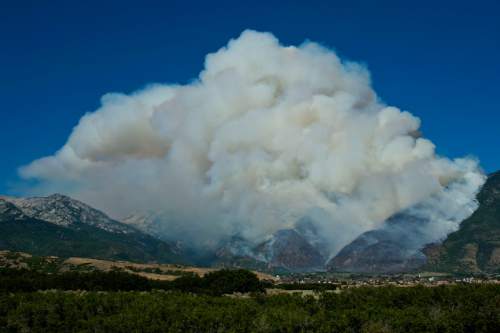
[148,222]
[286,250]
[59,225]
[65,211]
[293,249]
[390,249]
[475,246]
[397,246]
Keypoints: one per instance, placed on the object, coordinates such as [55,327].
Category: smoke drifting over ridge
[268,134]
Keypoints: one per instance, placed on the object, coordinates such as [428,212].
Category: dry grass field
[165,272]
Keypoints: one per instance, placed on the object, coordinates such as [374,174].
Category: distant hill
[475,246]
[61,226]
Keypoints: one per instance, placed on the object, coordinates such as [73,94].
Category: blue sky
[438,61]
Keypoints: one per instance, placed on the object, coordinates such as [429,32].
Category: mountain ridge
[60,225]
[475,246]
[64,211]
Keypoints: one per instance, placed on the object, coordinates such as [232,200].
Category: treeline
[214,283]
[461,308]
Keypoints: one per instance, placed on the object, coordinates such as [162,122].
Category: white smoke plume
[266,135]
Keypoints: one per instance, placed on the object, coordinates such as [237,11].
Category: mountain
[285,250]
[290,250]
[59,225]
[376,251]
[237,252]
[149,222]
[64,211]
[475,246]
[394,247]
[296,249]
[390,249]
[397,246]
[9,212]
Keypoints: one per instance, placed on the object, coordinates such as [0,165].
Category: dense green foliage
[476,245]
[221,282]
[465,308]
[227,281]
[46,239]
[214,283]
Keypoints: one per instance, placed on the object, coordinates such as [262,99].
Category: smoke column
[266,135]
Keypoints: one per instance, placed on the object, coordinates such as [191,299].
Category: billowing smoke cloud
[268,134]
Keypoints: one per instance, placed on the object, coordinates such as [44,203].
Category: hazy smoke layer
[267,134]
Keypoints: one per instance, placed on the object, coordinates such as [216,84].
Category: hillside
[475,246]
[294,249]
[390,249]
[61,226]
[287,250]
[54,264]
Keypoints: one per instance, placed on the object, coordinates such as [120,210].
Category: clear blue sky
[439,61]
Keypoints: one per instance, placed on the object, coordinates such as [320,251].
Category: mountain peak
[65,211]
[59,196]
[60,225]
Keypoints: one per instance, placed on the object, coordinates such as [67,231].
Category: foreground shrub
[384,309]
